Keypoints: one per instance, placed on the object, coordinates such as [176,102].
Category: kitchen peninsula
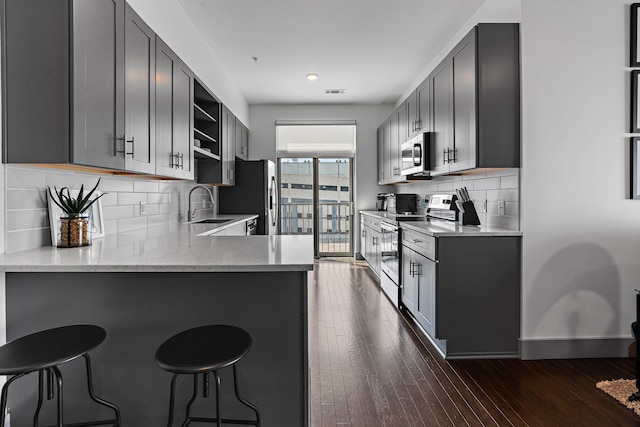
[147,285]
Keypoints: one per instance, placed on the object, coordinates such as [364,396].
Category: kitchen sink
[211,221]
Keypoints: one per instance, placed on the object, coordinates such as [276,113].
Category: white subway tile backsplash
[506,195]
[25,178]
[71,180]
[151,209]
[512,209]
[131,198]
[26,202]
[145,186]
[28,239]
[491,186]
[158,198]
[486,184]
[117,212]
[109,199]
[26,199]
[116,185]
[27,219]
[512,181]
[445,187]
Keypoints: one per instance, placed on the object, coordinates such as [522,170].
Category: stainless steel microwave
[416,155]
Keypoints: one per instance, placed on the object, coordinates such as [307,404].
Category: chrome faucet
[191,214]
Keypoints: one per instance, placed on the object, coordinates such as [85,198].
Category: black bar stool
[43,352]
[200,351]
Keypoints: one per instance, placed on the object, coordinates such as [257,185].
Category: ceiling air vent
[334,91]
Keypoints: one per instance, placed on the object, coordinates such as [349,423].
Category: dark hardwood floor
[369,368]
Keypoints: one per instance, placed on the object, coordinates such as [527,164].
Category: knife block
[469,216]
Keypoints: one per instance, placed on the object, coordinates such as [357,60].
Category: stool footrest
[113,423]
[224,421]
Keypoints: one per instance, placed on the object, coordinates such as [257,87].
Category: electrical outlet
[142,211]
[501,208]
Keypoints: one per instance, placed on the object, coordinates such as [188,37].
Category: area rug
[621,390]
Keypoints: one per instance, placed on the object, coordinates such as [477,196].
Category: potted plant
[73,230]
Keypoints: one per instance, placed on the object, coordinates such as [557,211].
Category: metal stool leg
[218,416]
[36,416]
[92,393]
[193,399]
[3,399]
[172,398]
[58,376]
[241,399]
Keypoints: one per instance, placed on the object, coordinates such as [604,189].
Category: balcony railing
[334,224]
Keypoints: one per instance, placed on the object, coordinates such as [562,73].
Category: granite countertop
[171,247]
[442,228]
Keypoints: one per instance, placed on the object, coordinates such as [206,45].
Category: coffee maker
[381,202]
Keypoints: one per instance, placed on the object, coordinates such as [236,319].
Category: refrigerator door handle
[274,203]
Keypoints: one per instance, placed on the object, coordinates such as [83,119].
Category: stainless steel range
[391,262]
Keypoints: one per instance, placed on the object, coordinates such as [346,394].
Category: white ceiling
[374,49]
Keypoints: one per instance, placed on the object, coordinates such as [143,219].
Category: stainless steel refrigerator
[255,192]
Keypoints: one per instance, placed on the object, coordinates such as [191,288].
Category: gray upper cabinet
[442,115]
[64,82]
[140,52]
[394,161]
[475,100]
[174,114]
[383,165]
[229,147]
[242,141]
[423,101]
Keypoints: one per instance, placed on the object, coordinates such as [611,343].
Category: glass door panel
[296,196]
[334,206]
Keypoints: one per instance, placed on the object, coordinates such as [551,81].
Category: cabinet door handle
[415,240]
[418,269]
[418,125]
[454,155]
[445,156]
[181,161]
[132,141]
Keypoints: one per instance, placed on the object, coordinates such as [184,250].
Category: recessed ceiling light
[312,76]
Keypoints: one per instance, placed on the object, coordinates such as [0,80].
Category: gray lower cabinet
[64,81]
[174,114]
[409,288]
[464,292]
[363,238]
[370,247]
[139,106]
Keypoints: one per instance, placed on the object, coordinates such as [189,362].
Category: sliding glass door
[316,198]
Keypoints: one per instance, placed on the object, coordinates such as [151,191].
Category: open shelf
[201,114]
[199,153]
[202,135]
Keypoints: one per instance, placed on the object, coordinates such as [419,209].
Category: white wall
[581,232]
[368,117]
[171,23]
